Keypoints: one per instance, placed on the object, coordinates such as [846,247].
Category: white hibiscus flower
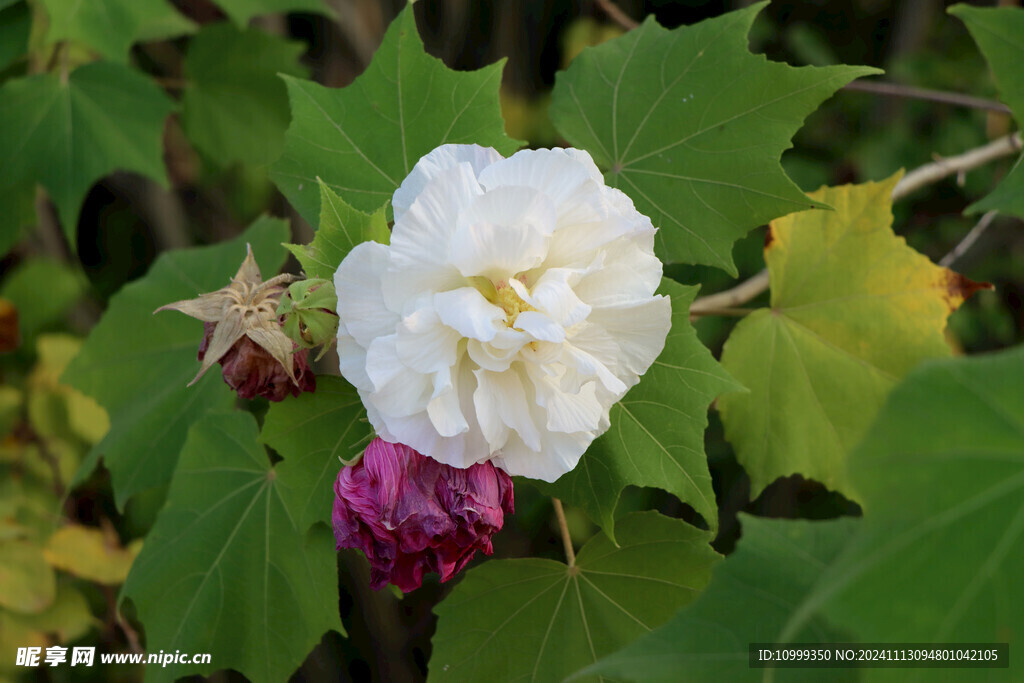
[513,308]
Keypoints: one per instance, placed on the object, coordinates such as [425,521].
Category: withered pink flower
[411,514]
[242,332]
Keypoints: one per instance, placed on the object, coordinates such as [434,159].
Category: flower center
[511,303]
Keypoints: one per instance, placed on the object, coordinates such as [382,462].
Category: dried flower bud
[411,514]
[243,334]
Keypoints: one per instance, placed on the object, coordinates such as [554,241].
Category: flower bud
[411,514]
[251,371]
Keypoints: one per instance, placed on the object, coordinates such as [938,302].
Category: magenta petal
[411,514]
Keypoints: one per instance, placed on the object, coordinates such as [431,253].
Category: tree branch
[969,239]
[617,15]
[909,91]
[913,181]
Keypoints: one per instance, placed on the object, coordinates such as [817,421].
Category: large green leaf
[542,620]
[341,228]
[753,597]
[227,568]
[691,126]
[657,432]
[235,108]
[942,477]
[15,25]
[112,26]
[999,33]
[241,11]
[364,139]
[317,432]
[853,308]
[68,135]
[137,364]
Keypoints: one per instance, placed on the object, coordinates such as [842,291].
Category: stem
[570,555]
[969,239]
[913,181]
[725,311]
[617,15]
[909,91]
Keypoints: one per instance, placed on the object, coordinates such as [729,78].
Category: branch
[913,181]
[909,91]
[969,239]
[564,528]
[617,15]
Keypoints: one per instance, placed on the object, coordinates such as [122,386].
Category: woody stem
[570,555]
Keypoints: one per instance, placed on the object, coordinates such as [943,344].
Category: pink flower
[411,514]
[251,371]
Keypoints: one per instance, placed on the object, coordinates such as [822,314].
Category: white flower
[513,308]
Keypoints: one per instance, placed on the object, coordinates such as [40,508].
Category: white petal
[361,305]
[424,343]
[554,172]
[554,295]
[352,362]
[502,405]
[559,454]
[587,366]
[431,165]
[466,311]
[540,327]
[444,410]
[502,233]
[497,354]
[629,275]
[398,390]
[639,331]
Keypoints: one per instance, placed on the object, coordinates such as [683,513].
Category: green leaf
[111,27]
[752,598]
[15,25]
[942,477]
[69,135]
[19,213]
[541,620]
[853,308]
[234,107]
[27,583]
[317,432]
[691,126]
[657,430]
[999,33]
[43,290]
[241,11]
[364,139]
[137,364]
[341,229]
[226,557]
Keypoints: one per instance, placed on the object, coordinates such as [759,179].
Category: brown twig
[969,239]
[563,526]
[910,92]
[617,15]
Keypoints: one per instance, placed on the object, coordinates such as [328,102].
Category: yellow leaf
[68,618]
[853,308]
[27,584]
[90,554]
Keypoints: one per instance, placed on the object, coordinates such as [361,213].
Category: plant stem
[617,15]
[725,311]
[570,555]
[909,91]
[969,239]
[913,181]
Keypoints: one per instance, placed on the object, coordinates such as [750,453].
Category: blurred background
[127,220]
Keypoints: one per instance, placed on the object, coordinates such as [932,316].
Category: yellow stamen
[512,304]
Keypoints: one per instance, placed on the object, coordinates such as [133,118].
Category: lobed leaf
[227,568]
[364,139]
[691,126]
[541,620]
[137,364]
[853,308]
[656,436]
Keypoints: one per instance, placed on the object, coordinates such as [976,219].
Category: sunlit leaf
[691,126]
[753,597]
[364,139]
[657,432]
[999,33]
[234,106]
[27,584]
[316,432]
[341,228]
[112,26]
[540,620]
[853,308]
[227,556]
[137,364]
[68,617]
[90,553]
[68,135]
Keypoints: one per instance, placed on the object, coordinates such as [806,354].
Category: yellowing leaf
[68,617]
[57,409]
[27,584]
[90,554]
[853,308]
